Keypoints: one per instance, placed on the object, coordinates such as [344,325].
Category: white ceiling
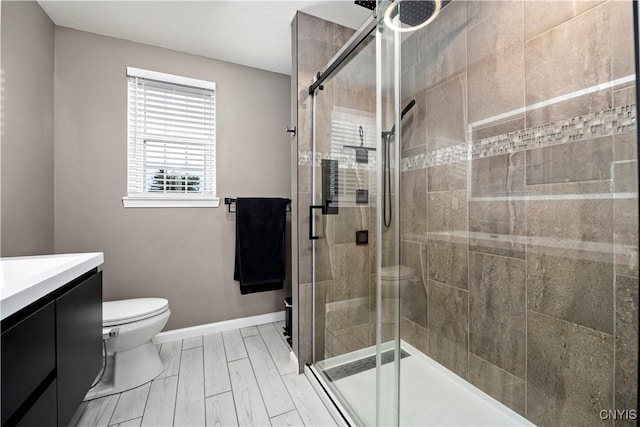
[252,33]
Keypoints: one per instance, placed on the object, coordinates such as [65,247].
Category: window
[352,176]
[171,141]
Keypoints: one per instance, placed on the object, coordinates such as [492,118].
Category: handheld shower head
[387,208]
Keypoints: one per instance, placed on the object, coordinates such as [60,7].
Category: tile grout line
[147,400]
[282,377]
[256,378]
[245,348]
[204,391]
[175,401]
[279,374]
[224,353]
[226,362]
[114,408]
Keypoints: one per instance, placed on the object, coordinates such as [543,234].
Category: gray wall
[26,216]
[182,254]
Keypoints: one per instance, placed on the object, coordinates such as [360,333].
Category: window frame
[173,200]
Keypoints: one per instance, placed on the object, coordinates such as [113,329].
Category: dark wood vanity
[51,352]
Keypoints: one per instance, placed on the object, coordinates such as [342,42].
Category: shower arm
[404,112]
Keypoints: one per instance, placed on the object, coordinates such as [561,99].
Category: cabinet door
[28,358]
[43,411]
[79,344]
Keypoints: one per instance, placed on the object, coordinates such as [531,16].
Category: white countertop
[24,280]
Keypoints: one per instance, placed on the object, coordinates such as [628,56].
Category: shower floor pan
[430,394]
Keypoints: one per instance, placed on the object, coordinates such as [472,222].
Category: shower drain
[339,372]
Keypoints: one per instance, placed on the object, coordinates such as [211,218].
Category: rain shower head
[413,14]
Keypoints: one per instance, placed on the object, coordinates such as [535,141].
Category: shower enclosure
[475,259]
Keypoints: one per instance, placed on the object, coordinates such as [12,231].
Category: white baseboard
[210,328]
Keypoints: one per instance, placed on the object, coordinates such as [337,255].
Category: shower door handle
[311,208]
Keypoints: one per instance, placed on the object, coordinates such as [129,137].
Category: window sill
[170,202]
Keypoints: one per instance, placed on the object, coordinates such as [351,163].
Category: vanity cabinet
[51,352]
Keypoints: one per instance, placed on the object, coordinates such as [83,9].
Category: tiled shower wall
[520,203]
[344,285]
[343,269]
[317,42]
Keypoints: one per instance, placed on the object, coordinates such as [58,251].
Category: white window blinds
[171,136]
[345,124]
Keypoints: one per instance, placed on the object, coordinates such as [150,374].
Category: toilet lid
[131,310]
[399,272]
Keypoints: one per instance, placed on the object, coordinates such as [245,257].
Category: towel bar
[231,200]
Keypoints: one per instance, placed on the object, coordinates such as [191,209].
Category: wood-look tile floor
[242,377]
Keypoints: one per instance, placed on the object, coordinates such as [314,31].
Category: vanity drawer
[43,413]
[28,357]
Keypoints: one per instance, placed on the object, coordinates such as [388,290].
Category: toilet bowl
[132,358]
[393,279]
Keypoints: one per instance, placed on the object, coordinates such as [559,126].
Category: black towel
[260,242]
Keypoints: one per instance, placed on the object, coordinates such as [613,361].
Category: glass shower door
[345,157]
[356,220]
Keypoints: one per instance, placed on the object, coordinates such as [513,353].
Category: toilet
[391,277]
[132,358]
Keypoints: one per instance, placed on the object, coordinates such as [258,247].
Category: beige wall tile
[442,46]
[621,12]
[498,227]
[573,221]
[576,289]
[588,160]
[626,342]
[414,201]
[570,57]
[543,15]
[497,308]
[448,176]
[625,236]
[447,114]
[447,211]
[447,260]
[448,326]
[413,293]
[569,372]
[499,175]
[415,335]
[498,383]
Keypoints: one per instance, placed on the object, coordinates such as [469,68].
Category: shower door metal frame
[352,44]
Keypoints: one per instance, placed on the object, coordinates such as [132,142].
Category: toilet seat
[132,310]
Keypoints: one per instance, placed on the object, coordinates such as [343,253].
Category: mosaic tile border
[614,121]
[588,126]
[349,160]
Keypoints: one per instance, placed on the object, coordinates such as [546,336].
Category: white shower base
[430,394]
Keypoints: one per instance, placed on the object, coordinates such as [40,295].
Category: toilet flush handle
[110,333]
